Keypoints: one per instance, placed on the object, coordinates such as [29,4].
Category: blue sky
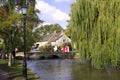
[54,11]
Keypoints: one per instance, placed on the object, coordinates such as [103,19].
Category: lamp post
[24,12]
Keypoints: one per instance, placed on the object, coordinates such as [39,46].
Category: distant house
[53,39]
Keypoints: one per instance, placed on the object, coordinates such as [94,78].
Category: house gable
[54,39]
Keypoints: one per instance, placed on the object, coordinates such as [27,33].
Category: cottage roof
[51,37]
[55,37]
[45,38]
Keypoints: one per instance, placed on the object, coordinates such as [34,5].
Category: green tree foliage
[95,31]
[68,31]
[7,20]
[48,29]
[10,15]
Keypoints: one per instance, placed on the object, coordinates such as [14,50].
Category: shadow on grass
[20,76]
[15,71]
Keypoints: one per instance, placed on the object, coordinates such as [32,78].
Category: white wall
[41,43]
[61,41]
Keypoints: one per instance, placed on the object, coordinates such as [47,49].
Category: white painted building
[53,39]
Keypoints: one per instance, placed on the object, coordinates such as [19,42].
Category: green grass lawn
[15,71]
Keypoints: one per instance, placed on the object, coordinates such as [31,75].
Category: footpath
[3,75]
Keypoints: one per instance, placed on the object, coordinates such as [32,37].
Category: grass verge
[15,71]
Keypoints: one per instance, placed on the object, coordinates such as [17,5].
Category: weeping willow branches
[95,31]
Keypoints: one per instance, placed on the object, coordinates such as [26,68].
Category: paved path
[3,75]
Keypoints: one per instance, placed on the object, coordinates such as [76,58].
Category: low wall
[47,55]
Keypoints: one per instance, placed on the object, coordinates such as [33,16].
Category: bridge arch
[53,55]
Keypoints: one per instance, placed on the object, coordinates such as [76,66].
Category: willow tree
[95,31]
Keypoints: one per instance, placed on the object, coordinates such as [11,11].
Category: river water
[69,69]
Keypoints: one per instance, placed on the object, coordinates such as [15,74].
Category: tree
[10,15]
[48,29]
[68,31]
[95,31]
[12,8]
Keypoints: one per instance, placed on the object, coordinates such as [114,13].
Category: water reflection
[52,69]
[69,70]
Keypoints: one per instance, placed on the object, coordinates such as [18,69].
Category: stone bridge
[51,55]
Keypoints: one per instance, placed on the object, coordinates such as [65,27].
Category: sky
[54,11]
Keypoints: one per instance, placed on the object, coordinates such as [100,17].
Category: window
[64,40]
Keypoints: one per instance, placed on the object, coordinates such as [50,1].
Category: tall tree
[12,10]
[95,29]
[10,17]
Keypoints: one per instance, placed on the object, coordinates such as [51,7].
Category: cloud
[51,14]
[62,0]
[59,16]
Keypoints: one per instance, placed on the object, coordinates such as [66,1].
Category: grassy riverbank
[15,71]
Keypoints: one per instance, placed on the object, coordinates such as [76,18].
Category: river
[70,69]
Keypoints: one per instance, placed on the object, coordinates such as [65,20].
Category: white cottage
[53,39]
